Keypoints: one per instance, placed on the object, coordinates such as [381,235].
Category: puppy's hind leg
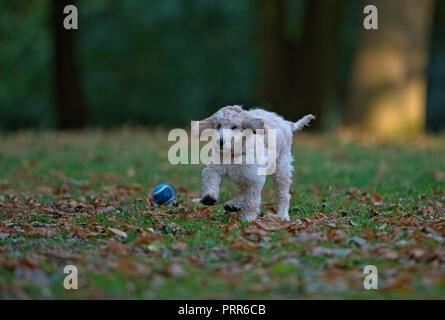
[236,203]
[211,180]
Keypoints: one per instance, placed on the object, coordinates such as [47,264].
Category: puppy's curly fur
[250,183]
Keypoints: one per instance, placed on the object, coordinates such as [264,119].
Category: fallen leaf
[78,231]
[376,199]
[172,227]
[132,268]
[107,209]
[147,237]
[243,245]
[175,270]
[130,172]
[368,233]
[336,235]
[397,282]
[389,254]
[353,223]
[358,241]
[116,247]
[30,260]
[322,251]
[439,175]
[44,190]
[117,232]
[179,246]
[30,231]
[253,230]
[3,236]
[416,253]
[271,222]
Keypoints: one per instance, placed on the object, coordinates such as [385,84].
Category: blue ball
[163,194]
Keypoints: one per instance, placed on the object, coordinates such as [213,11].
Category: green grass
[59,192]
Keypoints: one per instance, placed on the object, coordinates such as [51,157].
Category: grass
[352,205]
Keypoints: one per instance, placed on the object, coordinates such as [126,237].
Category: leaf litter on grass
[103,221]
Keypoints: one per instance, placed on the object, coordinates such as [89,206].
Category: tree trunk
[387,97]
[298,75]
[318,62]
[278,59]
[435,114]
[69,103]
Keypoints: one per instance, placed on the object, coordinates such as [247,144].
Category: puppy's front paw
[232,207]
[285,217]
[208,200]
[249,217]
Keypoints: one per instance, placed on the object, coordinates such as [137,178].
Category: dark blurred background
[166,62]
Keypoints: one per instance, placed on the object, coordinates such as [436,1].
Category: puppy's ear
[237,108]
[206,124]
[253,124]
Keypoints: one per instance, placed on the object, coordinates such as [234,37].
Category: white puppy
[246,175]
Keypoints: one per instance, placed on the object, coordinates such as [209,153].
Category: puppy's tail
[300,124]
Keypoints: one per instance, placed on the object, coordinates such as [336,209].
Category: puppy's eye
[218,126]
[234,127]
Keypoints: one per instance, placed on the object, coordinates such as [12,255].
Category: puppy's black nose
[221,143]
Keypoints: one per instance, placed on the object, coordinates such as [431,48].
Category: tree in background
[388,82]
[69,101]
[165,62]
[25,85]
[436,72]
[299,68]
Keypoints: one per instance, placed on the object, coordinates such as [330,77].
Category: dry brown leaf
[198,213]
[117,232]
[416,253]
[271,222]
[368,233]
[30,231]
[321,251]
[147,237]
[389,254]
[136,187]
[30,260]
[78,231]
[376,199]
[439,175]
[130,172]
[253,230]
[243,245]
[3,249]
[63,189]
[116,247]
[179,246]
[107,209]
[132,268]
[336,235]
[397,282]
[3,236]
[44,190]
[175,270]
